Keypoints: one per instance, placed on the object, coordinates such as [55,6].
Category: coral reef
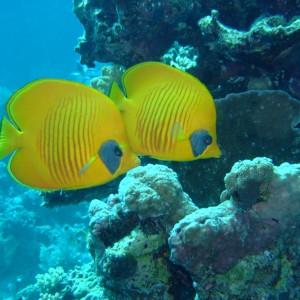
[180,57]
[32,238]
[65,246]
[247,247]
[115,30]
[80,283]
[17,223]
[234,52]
[213,244]
[263,57]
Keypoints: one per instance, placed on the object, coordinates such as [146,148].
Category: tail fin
[116,95]
[8,137]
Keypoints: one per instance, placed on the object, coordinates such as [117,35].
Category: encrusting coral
[260,211]
[248,52]
[128,234]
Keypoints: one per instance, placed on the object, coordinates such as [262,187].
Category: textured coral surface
[258,217]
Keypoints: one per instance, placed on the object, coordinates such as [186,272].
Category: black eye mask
[110,153]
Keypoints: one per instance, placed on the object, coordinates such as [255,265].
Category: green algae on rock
[266,38]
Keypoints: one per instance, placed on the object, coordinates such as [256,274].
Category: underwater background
[225,228]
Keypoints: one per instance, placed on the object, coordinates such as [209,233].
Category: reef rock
[265,40]
[235,54]
[127,32]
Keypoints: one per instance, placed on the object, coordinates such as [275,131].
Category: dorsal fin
[116,95]
[151,73]
[35,98]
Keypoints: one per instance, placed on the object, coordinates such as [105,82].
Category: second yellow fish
[168,113]
[65,136]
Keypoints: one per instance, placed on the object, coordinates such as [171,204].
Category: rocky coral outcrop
[150,241]
[261,212]
[128,233]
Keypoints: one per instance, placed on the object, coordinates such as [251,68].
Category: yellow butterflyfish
[64,135]
[168,113]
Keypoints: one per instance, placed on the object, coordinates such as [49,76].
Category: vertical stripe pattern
[65,140]
[162,110]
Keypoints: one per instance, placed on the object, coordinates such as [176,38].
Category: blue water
[37,40]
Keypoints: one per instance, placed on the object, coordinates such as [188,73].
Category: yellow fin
[177,132]
[8,138]
[117,96]
[36,98]
[141,76]
[22,169]
[87,165]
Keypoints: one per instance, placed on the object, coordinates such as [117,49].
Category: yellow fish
[168,113]
[65,135]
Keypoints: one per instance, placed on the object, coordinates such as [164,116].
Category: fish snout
[213,151]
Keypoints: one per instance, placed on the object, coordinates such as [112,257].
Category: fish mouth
[212,152]
[218,152]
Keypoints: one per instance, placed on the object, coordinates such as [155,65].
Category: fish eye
[200,140]
[207,140]
[118,151]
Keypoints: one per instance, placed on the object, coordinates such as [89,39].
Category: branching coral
[180,57]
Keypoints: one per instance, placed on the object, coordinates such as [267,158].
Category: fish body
[64,135]
[168,113]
